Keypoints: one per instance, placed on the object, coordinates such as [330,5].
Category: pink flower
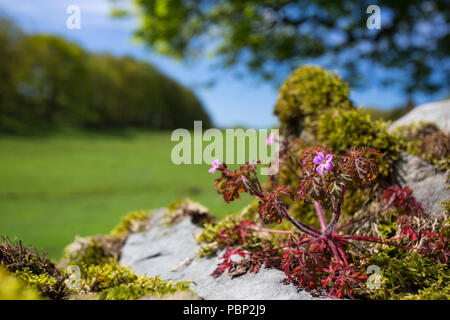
[269,140]
[215,165]
[323,162]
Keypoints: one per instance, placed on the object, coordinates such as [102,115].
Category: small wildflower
[270,139]
[215,166]
[323,162]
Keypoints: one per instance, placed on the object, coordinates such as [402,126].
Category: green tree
[11,41]
[272,37]
[47,81]
[55,79]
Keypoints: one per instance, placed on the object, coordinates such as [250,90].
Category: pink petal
[320,155]
[329,166]
[319,169]
[319,158]
[329,157]
[215,163]
[269,140]
[212,170]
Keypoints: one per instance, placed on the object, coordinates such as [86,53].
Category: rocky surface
[170,251]
[427,183]
[435,112]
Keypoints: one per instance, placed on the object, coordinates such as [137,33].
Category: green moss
[437,291]
[428,142]
[407,275]
[209,236]
[387,226]
[180,209]
[344,129]
[303,212]
[96,278]
[355,199]
[143,287]
[113,281]
[307,93]
[43,282]
[445,228]
[133,222]
[35,270]
[250,212]
[12,288]
[103,249]
[89,252]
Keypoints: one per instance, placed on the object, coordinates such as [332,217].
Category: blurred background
[86,113]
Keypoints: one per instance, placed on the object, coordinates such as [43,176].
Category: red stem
[301,226]
[333,248]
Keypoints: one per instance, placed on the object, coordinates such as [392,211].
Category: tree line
[48,82]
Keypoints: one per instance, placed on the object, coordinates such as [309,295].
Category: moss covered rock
[305,94]
[12,288]
[136,221]
[344,129]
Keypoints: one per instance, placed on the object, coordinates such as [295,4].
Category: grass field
[55,187]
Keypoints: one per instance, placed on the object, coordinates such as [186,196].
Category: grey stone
[435,112]
[426,181]
[170,252]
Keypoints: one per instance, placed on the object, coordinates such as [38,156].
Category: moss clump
[133,222]
[408,275]
[36,270]
[180,209]
[46,284]
[113,281]
[96,278]
[12,288]
[14,256]
[209,237]
[355,200]
[303,212]
[86,251]
[344,129]
[144,287]
[101,275]
[428,142]
[102,249]
[227,232]
[305,94]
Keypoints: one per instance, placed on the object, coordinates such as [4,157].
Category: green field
[55,187]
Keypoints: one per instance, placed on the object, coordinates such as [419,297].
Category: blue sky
[246,101]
